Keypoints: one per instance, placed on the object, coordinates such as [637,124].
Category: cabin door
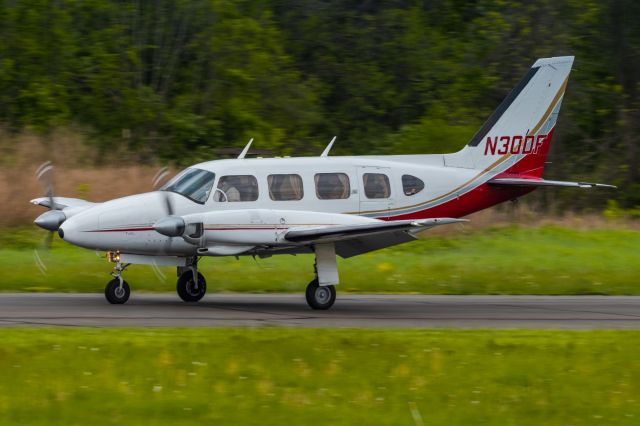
[376,191]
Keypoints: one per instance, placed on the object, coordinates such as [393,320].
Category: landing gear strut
[191,286]
[321,292]
[117,290]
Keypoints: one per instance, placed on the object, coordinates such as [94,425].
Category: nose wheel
[117,292]
[320,297]
[188,289]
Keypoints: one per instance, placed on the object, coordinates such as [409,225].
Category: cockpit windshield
[194,184]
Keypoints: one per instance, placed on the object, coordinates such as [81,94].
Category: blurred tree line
[173,80]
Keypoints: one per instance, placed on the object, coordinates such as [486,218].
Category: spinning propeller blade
[50,220]
[44,174]
[168,204]
[170,225]
[40,252]
[159,177]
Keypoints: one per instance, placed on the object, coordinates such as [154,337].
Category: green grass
[318,376]
[502,260]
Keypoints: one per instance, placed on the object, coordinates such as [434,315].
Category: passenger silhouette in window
[332,186]
[237,188]
[376,185]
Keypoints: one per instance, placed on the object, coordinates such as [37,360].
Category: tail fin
[516,137]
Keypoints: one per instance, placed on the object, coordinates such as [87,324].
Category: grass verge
[318,376]
[501,260]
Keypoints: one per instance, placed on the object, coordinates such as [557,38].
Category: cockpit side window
[411,185]
[237,188]
[332,186]
[194,184]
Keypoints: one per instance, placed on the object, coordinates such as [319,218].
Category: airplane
[327,206]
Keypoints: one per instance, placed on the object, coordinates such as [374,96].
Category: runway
[379,311]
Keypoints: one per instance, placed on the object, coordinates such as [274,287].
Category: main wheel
[116,294]
[187,288]
[320,297]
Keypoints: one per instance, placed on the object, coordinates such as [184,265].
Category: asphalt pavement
[381,311]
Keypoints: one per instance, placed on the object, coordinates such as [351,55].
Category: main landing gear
[321,292]
[191,286]
[320,297]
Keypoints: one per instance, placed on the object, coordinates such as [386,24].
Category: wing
[351,240]
[544,182]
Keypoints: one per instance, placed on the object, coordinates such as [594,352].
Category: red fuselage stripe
[206,229]
[123,230]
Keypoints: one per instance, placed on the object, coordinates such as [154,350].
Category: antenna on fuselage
[325,153]
[246,149]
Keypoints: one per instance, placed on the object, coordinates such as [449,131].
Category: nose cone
[78,229]
[50,220]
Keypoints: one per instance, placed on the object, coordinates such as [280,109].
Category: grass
[318,376]
[501,260]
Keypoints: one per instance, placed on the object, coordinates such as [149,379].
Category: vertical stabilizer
[516,137]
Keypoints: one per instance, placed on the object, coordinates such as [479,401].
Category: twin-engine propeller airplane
[325,206]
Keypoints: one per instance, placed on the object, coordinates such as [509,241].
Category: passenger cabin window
[194,184]
[376,185]
[285,187]
[411,185]
[332,186]
[237,188]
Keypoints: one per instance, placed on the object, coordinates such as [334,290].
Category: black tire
[116,295]
[320,297]
[186,289]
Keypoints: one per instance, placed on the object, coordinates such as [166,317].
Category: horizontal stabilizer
[544,182]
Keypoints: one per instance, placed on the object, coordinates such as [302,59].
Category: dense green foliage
[275,376]
[396,76]
[512,260]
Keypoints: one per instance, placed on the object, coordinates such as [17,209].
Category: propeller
[170,225]
[157,180]
[44,174]
[159,177]
[50,220]
[175,226]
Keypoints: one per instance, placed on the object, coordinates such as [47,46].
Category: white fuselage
[125,224]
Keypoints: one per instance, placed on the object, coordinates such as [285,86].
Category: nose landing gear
[117,290]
